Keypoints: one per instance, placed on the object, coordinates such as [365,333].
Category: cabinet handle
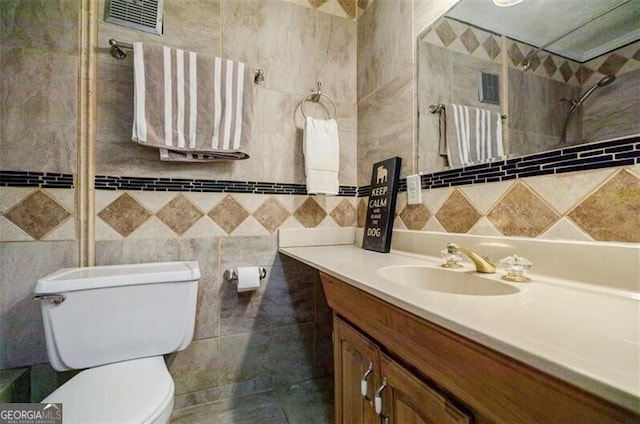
[378,399]
[364,383]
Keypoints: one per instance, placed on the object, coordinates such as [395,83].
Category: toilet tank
[99,315]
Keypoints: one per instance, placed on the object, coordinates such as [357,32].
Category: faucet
[482,263]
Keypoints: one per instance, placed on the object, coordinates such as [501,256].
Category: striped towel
[192,107]
[472,135]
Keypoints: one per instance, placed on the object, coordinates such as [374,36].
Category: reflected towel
[191,107]
[322,156]
[472,135]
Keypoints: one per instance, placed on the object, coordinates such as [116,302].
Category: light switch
[414,190]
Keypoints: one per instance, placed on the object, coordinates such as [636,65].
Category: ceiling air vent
[143,15]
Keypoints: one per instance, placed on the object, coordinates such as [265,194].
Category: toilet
[115,322]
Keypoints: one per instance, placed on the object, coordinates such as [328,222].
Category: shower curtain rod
[118,52]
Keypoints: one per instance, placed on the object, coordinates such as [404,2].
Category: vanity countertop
[585,334]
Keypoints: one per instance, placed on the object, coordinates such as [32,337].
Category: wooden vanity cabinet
[356,363]
[361,367]
[431,370]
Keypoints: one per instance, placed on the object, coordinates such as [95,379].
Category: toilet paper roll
[248,278]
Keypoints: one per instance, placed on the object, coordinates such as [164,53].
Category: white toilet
[117,321]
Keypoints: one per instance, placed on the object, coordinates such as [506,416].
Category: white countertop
[586,335]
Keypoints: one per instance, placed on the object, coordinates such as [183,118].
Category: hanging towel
[322,155]
[190,106]
[472,135]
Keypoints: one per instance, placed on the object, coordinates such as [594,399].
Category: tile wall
[227,215]
[39,68]
[564,195]
[224,215]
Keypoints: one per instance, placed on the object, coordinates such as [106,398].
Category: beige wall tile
[565,229]
[38,214]
[565,191]
[385,43]
[335,59]
[274,35]
[21,265]
[385,126]
[457,214]
[39,24]
[612,212]
[197,367]
[11,232]
[522,213]
[37,119]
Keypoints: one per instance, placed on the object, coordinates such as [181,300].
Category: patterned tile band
[214,186]
[35,179]
[607,154]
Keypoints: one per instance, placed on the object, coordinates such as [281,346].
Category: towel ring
[315,96]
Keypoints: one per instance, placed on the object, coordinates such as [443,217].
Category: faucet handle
[451,256]
[488,259]
[516,268]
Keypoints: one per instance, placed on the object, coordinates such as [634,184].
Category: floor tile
[308,403]
[259,408]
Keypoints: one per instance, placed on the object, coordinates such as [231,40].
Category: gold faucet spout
[483,264]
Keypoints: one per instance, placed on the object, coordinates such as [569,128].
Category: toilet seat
[139,391]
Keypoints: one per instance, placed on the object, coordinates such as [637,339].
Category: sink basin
[445,281]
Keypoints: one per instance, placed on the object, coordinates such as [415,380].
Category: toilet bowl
[136,391]
[116,322]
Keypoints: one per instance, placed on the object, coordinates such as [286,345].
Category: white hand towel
[322,156]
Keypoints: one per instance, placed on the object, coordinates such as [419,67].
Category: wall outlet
[414,190]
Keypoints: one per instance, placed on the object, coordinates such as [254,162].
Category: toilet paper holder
[232,274]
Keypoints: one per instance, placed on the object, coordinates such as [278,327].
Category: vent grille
[143,15]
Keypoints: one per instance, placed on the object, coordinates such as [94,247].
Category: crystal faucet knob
[516,268]
[451,256]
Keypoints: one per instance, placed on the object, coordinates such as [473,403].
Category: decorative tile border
[35,179]
[103,182]
[605,154]
[584,157]
[591,156]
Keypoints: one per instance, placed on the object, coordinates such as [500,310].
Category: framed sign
[382,205]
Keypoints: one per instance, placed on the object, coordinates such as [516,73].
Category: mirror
[581,84]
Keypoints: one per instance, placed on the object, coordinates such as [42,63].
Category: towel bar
[439,108]
[118,53]
[315,96]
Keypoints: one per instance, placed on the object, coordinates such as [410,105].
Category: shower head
[575,104]
[606,80]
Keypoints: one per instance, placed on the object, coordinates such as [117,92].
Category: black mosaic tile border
[35,179]
[104,182]
[606,154]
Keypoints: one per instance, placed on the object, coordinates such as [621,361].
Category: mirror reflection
[496,82]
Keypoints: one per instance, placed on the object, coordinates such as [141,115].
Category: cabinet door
[407,400]
[356,359]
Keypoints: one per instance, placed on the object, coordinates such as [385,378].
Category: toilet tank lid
[75,279]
